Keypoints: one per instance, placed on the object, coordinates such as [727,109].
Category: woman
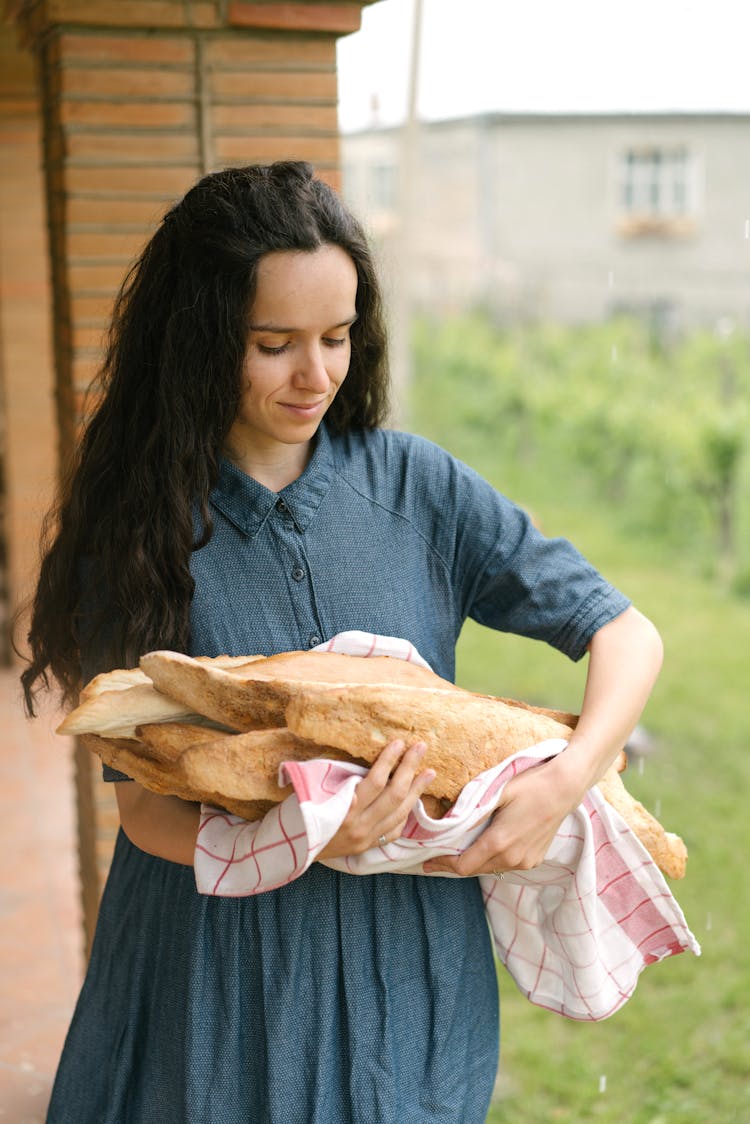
[235,494]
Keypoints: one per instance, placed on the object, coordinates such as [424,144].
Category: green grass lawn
[678,1052]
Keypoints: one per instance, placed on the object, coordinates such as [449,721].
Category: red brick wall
[138,98]
[28,441]
[134,115]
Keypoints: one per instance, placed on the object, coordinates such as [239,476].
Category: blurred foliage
[660,434]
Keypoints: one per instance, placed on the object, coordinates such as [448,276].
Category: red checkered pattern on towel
[574,933]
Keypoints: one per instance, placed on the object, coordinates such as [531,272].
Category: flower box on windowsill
[656,226]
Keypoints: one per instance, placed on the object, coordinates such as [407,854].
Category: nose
[313,373]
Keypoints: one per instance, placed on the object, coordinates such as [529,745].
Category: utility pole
[402,300]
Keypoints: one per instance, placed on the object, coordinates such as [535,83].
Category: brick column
[139,98]
[28,451]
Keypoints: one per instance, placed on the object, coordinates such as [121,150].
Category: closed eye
[266,350]
[332,341]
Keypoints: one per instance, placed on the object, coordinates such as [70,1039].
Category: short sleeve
[512,578]
[546,590]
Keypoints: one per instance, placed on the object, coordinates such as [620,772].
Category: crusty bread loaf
[167,779]
[115,714]
[245,765]
[666,849]
[182,739]
[167,741]
[562,716]
[118,680]
[122,754]
[238,772]
[464,733]
[115,702]
[255,697]
[122,678]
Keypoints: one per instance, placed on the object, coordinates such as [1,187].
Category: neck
[275,469]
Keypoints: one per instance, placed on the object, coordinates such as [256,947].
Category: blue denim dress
[337,999]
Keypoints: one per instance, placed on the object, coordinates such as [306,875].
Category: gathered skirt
[335,1000]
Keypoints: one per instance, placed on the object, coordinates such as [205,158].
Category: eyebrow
[278,330]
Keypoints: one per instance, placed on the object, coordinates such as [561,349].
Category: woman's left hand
[532,807]
[624,660]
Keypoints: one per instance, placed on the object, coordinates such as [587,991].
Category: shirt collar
[248,504]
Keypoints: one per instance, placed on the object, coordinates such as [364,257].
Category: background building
[567,217]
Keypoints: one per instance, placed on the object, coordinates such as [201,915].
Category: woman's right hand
[382,801]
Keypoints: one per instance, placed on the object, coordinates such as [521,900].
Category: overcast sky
[556,55]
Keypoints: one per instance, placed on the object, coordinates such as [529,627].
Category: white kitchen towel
[574,933]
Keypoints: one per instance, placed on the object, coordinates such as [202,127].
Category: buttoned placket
[302,594]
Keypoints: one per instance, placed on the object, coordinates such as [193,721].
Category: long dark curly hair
[116,548]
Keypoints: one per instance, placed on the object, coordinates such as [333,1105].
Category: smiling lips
[305,409]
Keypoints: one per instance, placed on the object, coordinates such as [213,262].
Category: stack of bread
[217,730]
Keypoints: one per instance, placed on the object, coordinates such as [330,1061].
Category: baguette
[116,714]
[167,778]
[255,697]
[118,680]
[238,772]
[114,702]
[247,765]
[167,741]
[465,736]
[195,742]
[666,849]
[464,733]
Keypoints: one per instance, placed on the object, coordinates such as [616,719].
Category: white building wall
[523,213]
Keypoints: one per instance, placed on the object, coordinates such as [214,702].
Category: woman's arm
[164,826]
[625,658]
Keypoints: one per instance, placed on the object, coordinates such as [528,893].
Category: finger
[454,864]
[445,864]
[406,775]
[479,858]
[383,806]
[403,790]
[390,778]
[393,820]
[378,775]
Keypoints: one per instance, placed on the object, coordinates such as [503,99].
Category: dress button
[313,641]
[281,506]
[298,573]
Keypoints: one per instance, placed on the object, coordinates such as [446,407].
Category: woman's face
[298,350]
